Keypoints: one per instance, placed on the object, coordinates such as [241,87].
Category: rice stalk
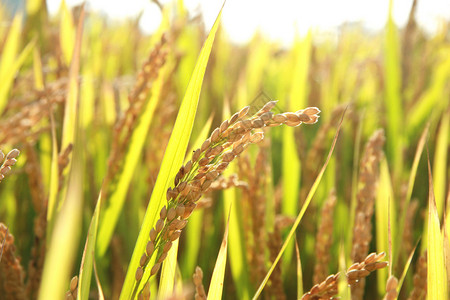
[226,142]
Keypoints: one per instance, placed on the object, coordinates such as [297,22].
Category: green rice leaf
[64,238]
[172,161]
[291,162]
[436,274]
[87,261]
[216,285]
[440,163]
[10,63]
[299,273]
[66,33]
[393,103]
[384,214]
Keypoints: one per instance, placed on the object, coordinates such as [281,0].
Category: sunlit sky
[280,20]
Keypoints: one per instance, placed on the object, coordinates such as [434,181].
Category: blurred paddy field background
[109,199]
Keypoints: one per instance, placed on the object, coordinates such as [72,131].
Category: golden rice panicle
[328,288]
[207,163]
[8,162]
[11,272]
[358,271]
[391,288]
[324,290]
[324,238]
[198,283]
[71,294]
[27,125]
[145,294]
[368,179]
[127,121]
[419,291]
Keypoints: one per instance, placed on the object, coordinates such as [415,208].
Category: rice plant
[179,165]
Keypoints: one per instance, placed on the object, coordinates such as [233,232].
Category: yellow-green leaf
[172,161]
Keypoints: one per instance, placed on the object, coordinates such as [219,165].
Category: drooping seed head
[162,257]
[204,161]
[234,118]
[13,154]
[228,157]
[212,175]
[221,167]
[215,135]
[280,118]
[167,246]
[196,155]
[206,184]
[143,260]
[163,212]
[256,137]
[175,235]
[243,112]
[266,116]
[153,235]
[180,210]
[10,161]
[185,191]
[205,145]
[181,187]
[238,150]
[224,126]
[155,269]
[189,208]
[171,214]
[5,170]
[74,283]
[139,273]
[267,107]
[159,225]
[258,123]
[188,167]
[150,248]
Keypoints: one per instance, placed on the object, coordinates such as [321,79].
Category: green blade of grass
[54,182]
[64,238]
[216,284]
[66,32]
[299,273]
[393,103]
[383,215]
[9,68]
[291,162]
[406,268]
[440,165]
[173,158]
[87,261]
[300,215]
[432,101]
[9,53]
[99,286]
[436,273]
